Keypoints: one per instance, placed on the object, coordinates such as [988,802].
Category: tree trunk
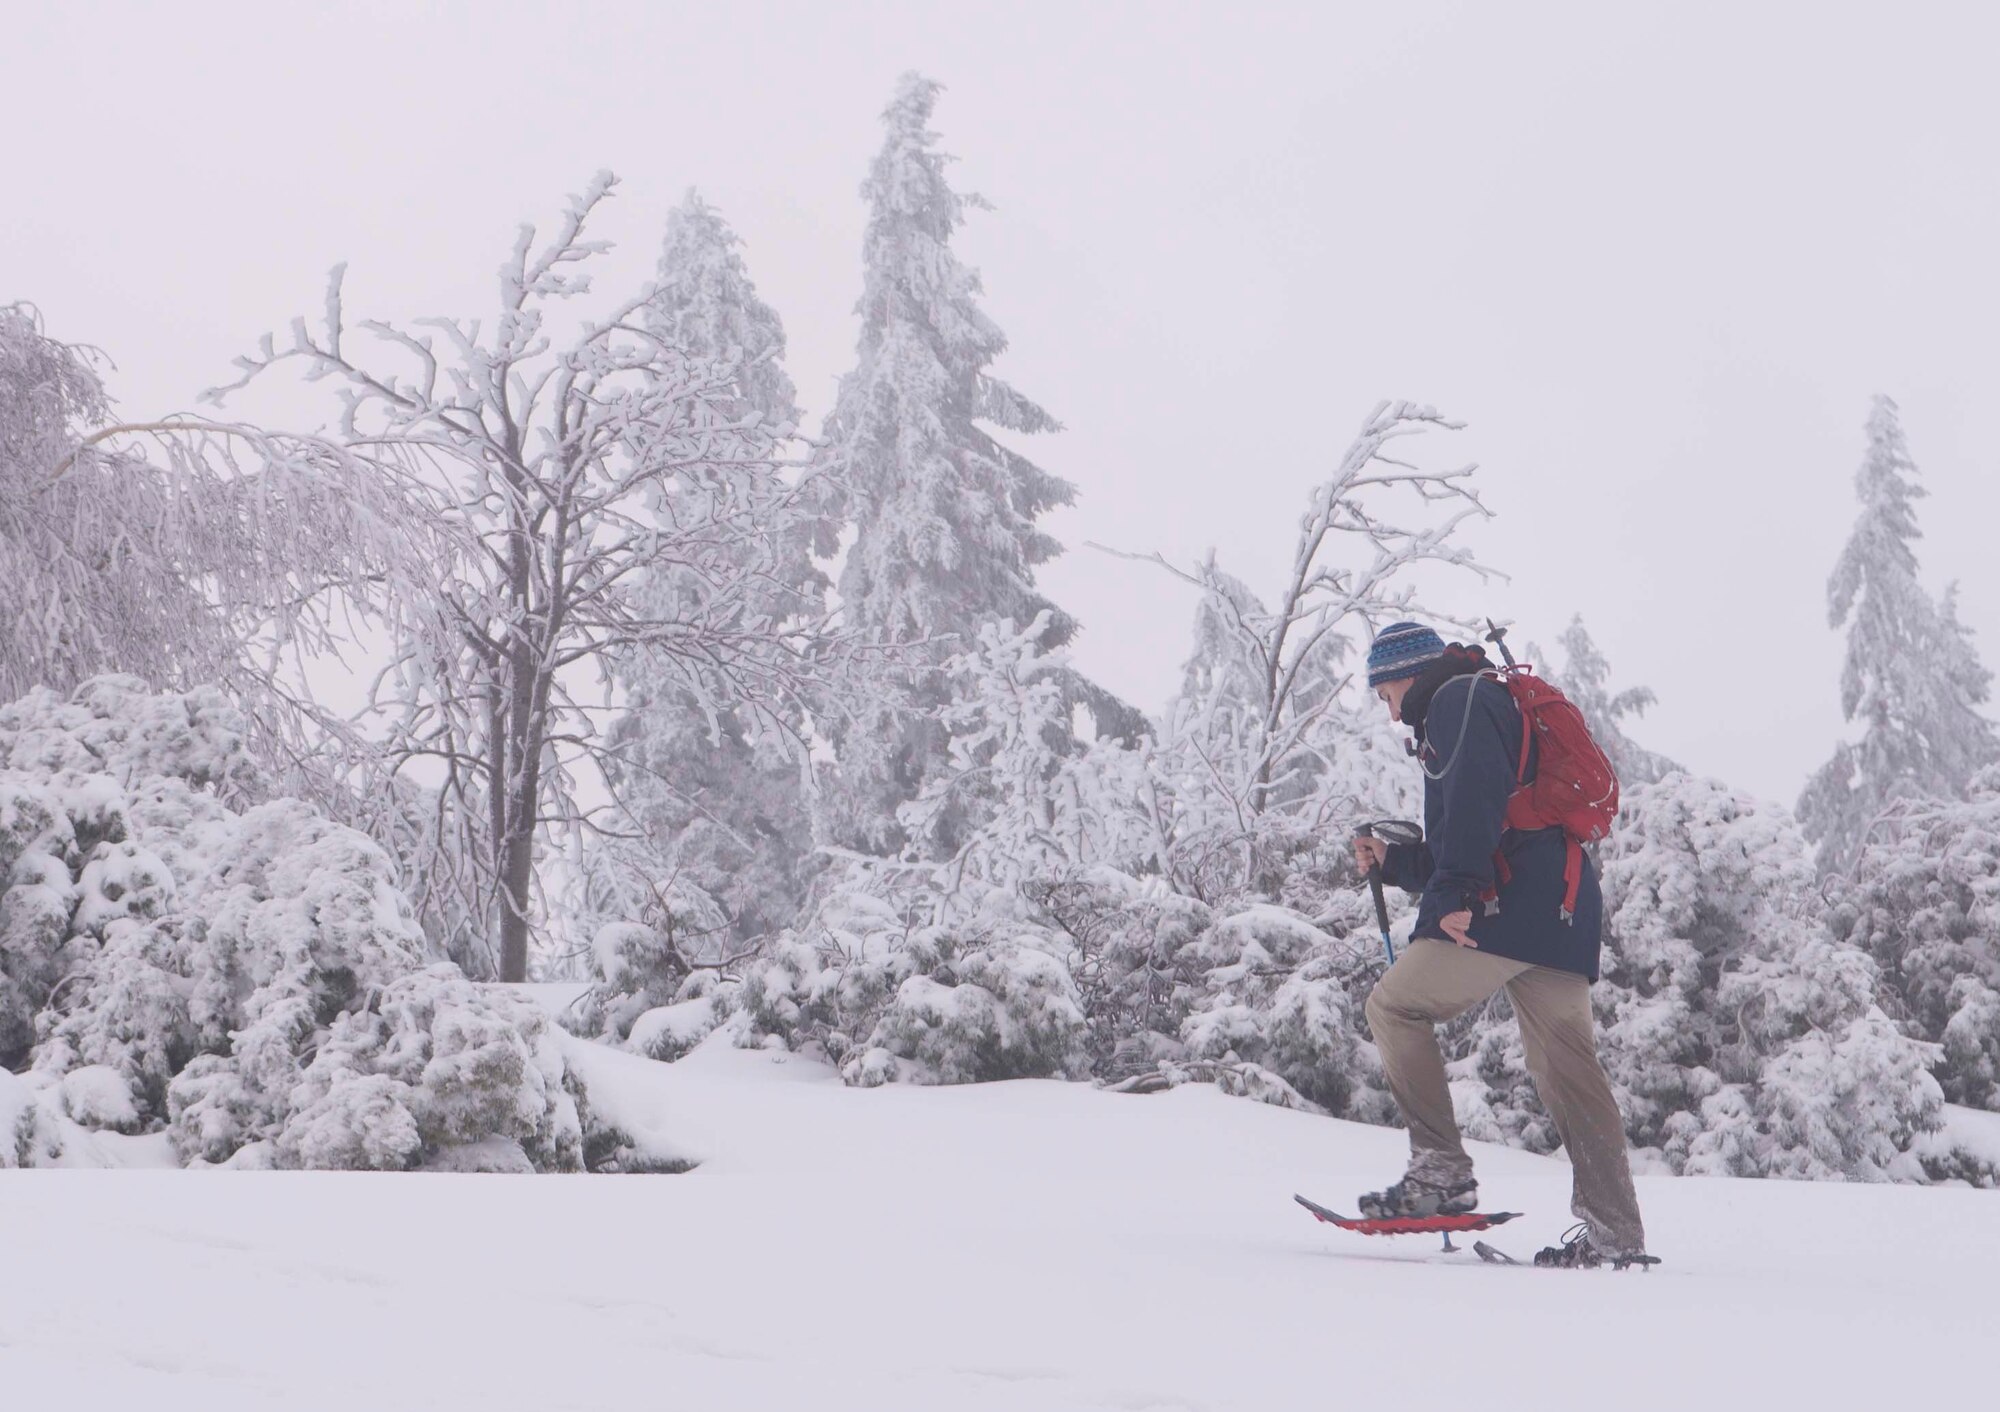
[515,886]
[516,782]
[522,786]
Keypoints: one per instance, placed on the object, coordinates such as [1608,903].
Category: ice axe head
[1398,831]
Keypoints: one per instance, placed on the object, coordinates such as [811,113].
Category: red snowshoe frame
[1409,1225]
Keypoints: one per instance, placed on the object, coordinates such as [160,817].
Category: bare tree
[1265,682]
[583,464]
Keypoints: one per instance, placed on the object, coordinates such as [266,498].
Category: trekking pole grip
[1381,902]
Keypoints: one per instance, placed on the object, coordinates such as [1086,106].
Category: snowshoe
[1440,1223]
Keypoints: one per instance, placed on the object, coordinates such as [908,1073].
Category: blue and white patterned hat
[1402,650]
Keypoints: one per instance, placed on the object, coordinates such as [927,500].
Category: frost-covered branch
[224,554]
[1260,723]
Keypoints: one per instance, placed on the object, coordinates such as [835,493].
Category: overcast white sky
[1658,256]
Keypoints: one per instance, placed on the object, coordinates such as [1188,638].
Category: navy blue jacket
[1463,814]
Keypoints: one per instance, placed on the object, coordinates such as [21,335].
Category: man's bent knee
[1377,1010]
[1391,1003]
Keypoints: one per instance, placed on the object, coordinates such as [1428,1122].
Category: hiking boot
[1421,1196]
[1579,1252]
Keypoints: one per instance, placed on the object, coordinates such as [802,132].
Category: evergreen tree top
[707,307]
[1878,568]
[1900,644]
[910,274]
[945,514]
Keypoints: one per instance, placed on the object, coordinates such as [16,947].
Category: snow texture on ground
[999,1248]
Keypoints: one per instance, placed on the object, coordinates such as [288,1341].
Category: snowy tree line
[775,734]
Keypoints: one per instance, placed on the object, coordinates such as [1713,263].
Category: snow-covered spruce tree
[1743,1035]
[1002,790]
[707,306]
[575,463]
[944,514]
[1912,678]
[713,790]
[1925,903]
[251,981]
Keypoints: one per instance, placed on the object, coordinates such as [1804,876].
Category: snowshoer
[1495,909]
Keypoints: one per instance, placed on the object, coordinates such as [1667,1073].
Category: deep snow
[1028,1245]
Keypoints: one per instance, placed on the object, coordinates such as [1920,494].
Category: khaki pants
[1434,981]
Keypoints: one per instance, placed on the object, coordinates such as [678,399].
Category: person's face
[1392,694]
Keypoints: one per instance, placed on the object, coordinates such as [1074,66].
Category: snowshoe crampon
[1578,1251]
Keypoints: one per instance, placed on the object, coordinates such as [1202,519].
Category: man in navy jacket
[1480,927]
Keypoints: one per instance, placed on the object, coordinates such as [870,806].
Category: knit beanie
[1402,650]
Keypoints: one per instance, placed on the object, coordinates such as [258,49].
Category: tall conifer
[1912,678]
[946,538]
[715,789]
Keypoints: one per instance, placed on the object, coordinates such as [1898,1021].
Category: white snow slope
[1032,1245]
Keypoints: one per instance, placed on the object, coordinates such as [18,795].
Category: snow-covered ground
[1030,1245]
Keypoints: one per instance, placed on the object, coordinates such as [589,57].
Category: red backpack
[1574,789]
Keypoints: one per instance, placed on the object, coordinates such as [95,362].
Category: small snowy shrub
[640,961]
[169,962]
[120,727]
[985,998]
[669,1031]
[1281,994]
[284,921]
[1010,1011]
[39,897]
[825,984]
[1130,946]
[1741,1032]
[431,1066]
[97,1096]
[1924,902]
[30,1133]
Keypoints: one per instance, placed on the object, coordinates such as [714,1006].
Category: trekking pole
[1381,903]
[1498,637]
